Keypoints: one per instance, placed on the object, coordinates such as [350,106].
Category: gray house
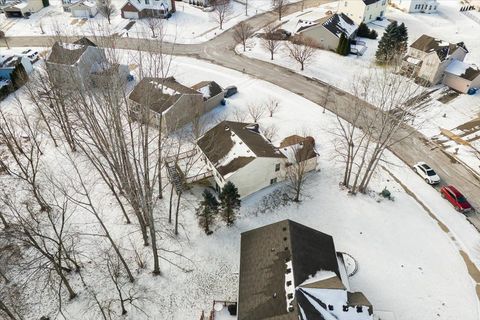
[178,104]
[289,271]
[326,32]
[81,63]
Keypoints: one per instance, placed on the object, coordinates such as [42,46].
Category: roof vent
[290,309]
[274,295]
[227,128]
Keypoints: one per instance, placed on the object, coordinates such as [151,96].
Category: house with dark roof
[10,63]
[461,76]
[80,63]
[428,58]
[138,9]
[289,271]
[326,31]
[165,99]
[238,152]
[363,10]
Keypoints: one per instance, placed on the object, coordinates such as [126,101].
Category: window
[359,309]
[274,180]
[147,1]
[330,307]
[346,3]
[277,167]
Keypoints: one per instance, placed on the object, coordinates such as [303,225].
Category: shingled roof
[429,44]
[266,255]
[230,146]
[159,94]
[463,70]
[336,24]
[208,89]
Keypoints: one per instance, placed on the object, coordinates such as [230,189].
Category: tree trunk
[170,205]
[176,212]
[7,311]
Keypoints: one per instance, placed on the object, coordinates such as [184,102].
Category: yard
[401,250]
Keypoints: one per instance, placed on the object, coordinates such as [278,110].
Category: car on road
[230,91]
[456,198]
[426,172]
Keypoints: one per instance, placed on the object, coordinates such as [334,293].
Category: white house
[363,10]
[289,271]
[462,77]
[25,8]
[138,9]
[240,153]
[326,31]
[415,6]
[84,9]
[428,58]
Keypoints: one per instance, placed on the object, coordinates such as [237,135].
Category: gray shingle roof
[264,254]
[429,44]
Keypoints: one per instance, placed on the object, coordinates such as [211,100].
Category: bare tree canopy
[301,50]
[270,41]
[106,9]
[279,6]
[222,10]
[242,32]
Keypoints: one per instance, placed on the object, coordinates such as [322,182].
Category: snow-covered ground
[448,24]
[188,25]
[407,265]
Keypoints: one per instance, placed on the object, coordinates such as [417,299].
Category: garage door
[80,13]
[130,15]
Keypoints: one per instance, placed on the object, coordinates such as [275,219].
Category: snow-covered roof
[208,89]
[430,44]
[230,146]
[463,70]
[69,53]
[8,61]
[298,149]
[289,271]
[90,4]
[304,24]
[340,23]
[153,5]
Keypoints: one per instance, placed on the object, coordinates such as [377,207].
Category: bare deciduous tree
[256,111]
[155,25]
[272,105]
[279,6]
[270,41]
[106,9]
[301,50]
[301,159]
[242,32]
[383,107]
[222,10]
[270,132]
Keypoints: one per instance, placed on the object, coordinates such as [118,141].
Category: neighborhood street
[220,50]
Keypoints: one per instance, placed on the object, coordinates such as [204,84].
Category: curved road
[220,51]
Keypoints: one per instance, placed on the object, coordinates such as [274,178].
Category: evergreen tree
[373,34]
[343,47]
[230,202]
[402,34]
[363,30]
[387,46]
[207,211]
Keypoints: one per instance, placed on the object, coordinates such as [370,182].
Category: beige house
[428,58]
[326,32]
[239,153]
[363,10]
[175,104]
[462,77]
[25,8]
[84,9]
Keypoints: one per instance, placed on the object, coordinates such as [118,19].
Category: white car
[427,173]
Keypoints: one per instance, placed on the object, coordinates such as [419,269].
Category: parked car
[427,173]
[230,91]
[456,198]
[31,55]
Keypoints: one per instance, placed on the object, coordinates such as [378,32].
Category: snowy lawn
[407,264]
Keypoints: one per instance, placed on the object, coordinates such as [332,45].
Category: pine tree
[402,34]
[207,211]
[343,47]
[230,202]
[363,30]
[387,46]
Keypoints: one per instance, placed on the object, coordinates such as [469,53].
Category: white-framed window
[277,167]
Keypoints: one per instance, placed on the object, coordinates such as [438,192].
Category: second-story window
[277,167]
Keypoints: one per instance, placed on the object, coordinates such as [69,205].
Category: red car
[456,198]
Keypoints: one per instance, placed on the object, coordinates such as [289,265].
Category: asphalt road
[415,147]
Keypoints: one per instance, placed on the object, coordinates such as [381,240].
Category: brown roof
[148,92]
[66,53]
[214,88]
[264,253]
[217,143]
[305,150]
[429,44]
